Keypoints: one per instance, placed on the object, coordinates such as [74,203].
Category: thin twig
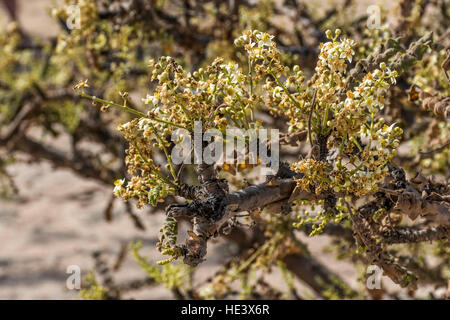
[313,101]
[435,149]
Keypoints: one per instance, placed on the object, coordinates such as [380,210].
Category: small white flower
[277,92]
[125,125]
[346,49]
[143,124]
[265,39]
[391,75]
[118,189]
[151,100]
[231,66]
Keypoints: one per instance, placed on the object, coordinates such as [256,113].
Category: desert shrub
[363,146]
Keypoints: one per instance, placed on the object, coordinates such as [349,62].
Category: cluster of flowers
[216,95]
[210,94]
[148,183]
[355,125]
[314,175]
[362,144]
[349,123]
[280,97]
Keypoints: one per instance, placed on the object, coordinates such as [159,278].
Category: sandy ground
[57,220]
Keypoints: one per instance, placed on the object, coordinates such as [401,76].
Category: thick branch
[409,235]
[211,214]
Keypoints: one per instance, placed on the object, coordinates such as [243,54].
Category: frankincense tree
[349,163]
[362,155]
